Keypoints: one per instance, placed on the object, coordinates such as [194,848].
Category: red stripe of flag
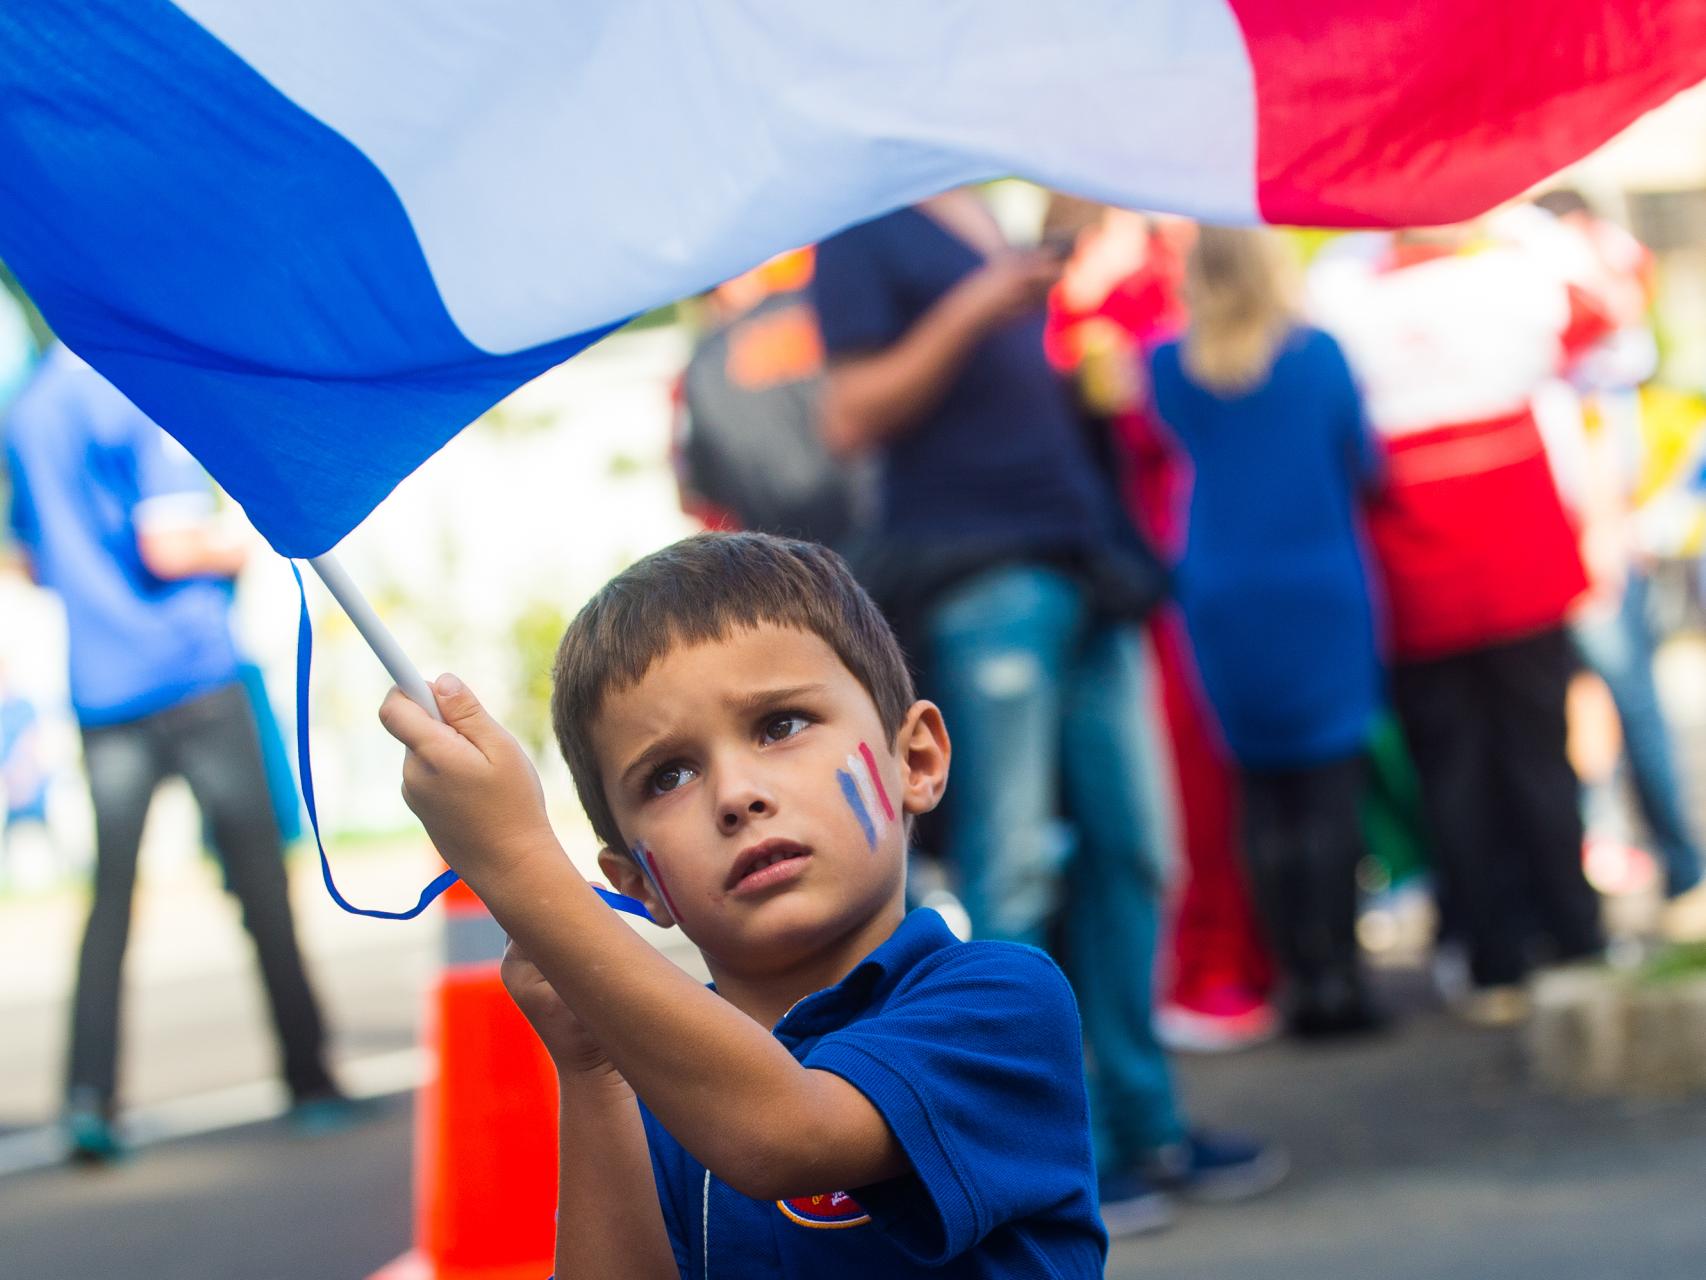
[1398,112]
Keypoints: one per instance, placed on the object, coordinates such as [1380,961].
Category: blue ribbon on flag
[446,878]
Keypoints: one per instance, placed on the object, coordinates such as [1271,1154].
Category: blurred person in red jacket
[1120,294]
[1452,336]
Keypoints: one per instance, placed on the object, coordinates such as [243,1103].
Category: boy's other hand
[468,780]
[572,1050]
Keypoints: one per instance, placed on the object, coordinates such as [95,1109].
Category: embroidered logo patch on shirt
[826,1212]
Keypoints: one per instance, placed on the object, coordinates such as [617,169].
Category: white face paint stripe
[862,779]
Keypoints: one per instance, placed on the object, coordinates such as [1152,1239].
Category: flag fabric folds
[316,239]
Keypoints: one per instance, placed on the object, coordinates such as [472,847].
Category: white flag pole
[372,630]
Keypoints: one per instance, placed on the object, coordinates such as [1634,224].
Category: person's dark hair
[1561,202]
[699,590]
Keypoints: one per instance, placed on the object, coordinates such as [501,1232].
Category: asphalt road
[1428,1156]
[260,1202]
[1424,1155]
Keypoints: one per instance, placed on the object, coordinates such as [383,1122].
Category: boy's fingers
[460,708]
[403,720]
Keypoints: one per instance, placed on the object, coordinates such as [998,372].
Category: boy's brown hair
[700,590]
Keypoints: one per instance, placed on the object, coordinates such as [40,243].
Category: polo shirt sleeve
[978,1069]
[853,294]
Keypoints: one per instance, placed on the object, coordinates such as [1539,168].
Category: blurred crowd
[1270,586]
[1262,580]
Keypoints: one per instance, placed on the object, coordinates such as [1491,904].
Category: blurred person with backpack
[748,452]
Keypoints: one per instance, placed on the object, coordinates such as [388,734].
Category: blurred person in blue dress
[1275,588]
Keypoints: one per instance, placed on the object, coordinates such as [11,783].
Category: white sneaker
[1495,1006]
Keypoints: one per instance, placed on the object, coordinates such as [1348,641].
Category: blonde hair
[1238,285]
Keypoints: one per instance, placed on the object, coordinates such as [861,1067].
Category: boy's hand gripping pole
[409,680]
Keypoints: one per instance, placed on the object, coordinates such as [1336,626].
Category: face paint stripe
[857,804]
[649,865]
[863,782]
[663,890]
[877,781]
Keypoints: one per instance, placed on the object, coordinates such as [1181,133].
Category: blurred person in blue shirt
[115,517]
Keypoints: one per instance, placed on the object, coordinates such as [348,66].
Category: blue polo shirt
[971,1051]
[88,468]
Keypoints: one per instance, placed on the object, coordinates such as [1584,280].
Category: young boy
[858,1094]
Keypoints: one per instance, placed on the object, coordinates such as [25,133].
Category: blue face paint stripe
[856,802]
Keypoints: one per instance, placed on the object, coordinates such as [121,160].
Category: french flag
[315,239]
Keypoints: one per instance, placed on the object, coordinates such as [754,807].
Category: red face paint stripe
[657,879]
[877,781]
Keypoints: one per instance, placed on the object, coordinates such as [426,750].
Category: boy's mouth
[765,863]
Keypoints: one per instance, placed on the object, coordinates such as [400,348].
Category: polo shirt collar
[920,934]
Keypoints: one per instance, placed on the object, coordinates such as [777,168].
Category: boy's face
[761,798]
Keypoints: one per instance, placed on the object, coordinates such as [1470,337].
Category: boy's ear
[626,875]
[923,750]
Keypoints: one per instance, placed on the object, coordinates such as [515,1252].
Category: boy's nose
[737,810]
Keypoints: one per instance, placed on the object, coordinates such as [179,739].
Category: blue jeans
[1047,708]
[210,741]
[1619,648]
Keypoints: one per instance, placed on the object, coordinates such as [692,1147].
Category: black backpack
[750,443]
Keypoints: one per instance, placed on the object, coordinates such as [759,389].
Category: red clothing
[1217,941]
[1473,540]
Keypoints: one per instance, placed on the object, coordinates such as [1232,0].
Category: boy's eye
[670,777]
[779,727]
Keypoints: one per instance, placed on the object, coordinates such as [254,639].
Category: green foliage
[1676,963]
[38,327]
[534,636]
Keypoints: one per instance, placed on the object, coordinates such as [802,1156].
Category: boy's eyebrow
[764,699]
[742,704]
[649,755]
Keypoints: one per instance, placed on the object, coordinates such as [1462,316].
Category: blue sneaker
[1133,1204]
[1219,1167]
[93,1139]
[328,1111]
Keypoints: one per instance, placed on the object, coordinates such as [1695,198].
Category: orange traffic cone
[485,1127]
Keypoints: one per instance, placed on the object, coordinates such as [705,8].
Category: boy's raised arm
[722,1085]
